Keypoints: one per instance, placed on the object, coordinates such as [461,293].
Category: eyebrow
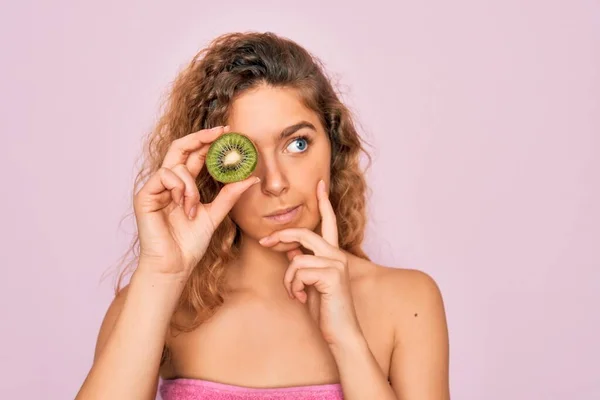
[290,130]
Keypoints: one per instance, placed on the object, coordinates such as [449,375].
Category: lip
[282,211]
[284,216]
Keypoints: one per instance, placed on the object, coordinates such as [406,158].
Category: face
[293,155]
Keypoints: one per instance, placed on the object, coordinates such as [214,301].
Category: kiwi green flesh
[231,158]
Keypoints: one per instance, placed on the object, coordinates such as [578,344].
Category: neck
[258,269]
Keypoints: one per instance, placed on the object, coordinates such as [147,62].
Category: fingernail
[321,186]
[226,128]
[264,240]
[193,212]
[256,180]
[216,128]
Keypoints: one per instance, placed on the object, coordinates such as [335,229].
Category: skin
[277,341]
[301,311]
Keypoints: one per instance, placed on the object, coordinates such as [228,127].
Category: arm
[423,343]
[174,231]
[419,362]
[131,339]
[360,375]
[419,366]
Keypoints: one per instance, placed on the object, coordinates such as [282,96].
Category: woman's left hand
[321,280]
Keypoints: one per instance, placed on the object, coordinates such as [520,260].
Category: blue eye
[299,145]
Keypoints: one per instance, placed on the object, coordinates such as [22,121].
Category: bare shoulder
[407,293]
[412,289]
[413,308]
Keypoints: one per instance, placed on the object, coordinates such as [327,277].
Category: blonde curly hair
[200,98]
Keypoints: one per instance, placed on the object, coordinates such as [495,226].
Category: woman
[260,288]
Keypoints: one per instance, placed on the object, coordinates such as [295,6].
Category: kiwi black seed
[231,157]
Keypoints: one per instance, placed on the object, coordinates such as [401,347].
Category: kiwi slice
[231,158]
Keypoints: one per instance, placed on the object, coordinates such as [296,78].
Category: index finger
[307,238]
[180,149]
[329,229]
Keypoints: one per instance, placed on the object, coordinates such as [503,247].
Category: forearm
[360,375]
[128,364]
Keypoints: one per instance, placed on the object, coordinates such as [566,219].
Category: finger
[227,197]
[293,253]
[313,300]
[191,194]
[305,237]
[328,220]
[196,159]
[181,148]
[322,279]
[163,187]
[302,261]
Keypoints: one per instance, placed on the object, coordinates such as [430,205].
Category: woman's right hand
[174,228]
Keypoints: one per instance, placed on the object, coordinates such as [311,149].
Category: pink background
[485,117]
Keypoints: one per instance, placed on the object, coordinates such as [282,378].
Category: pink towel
[196,389]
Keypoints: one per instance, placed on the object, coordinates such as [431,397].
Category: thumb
[227,197]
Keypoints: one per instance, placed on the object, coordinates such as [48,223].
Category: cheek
[313,216]
[309,170]
[243,208]
[305,179]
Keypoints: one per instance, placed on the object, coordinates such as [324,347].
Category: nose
[274,180]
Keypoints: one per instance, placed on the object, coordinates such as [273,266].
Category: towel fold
[196,389]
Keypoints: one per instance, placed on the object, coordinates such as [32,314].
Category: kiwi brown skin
[232,157]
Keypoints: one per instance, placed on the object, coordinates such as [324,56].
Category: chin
[307,222]
[285,247]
